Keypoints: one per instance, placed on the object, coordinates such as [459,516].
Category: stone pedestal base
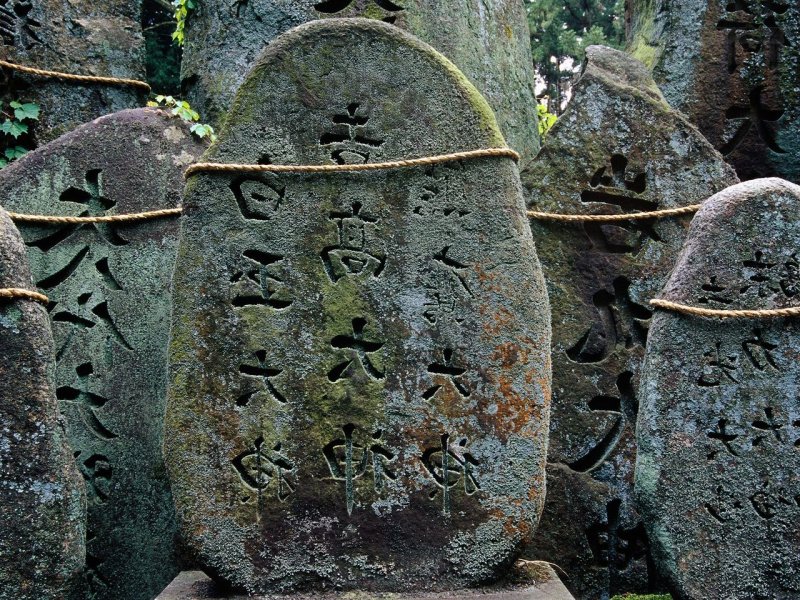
[539,583]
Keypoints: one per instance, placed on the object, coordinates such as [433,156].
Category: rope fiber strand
[395,164]
[23,294]
[130,218]
[75,78]
[653,214]
[766,313]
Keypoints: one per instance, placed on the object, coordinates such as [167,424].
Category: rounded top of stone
[740,240]
[620,69]
[355,65]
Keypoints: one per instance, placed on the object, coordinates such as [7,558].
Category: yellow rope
[76,78]
[142,216]
[395,164]
[654,214]
[19,293]
[768,313]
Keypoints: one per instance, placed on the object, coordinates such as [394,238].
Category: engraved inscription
[258,375]
[448,372]
[348,461]
[352,256]
[389,9]
[350,140]
[17,27]
[258,198]
[359,354]
[261,468]
[258,281]
[450,465]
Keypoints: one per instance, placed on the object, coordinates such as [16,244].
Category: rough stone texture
[732,66]
[488,40]
[84,37]
[617,148]
[42,504]
[539,583]
[718,472]
[360,378]
[110,292]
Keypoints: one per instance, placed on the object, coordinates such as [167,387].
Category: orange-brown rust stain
[514,409]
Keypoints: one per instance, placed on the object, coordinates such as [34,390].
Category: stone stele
[109,287]
[360,376]
[618,148]
[42,504]
[488,40]
[84,37]
[718,471]
[732,66]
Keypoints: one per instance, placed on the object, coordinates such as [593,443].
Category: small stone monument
[732,66]
[488,40]
[82,37]
[617,149]
[718,471]
[359,389]
[109,290]
[42,505]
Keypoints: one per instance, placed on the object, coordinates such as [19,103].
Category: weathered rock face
[718,472]
[109,288]
[732,66]
[359,362]
[487,39]
[82,37]
[618,148]
[42,506]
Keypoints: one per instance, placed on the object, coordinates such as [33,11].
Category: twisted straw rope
[19,293]
[76,78]
[395,164]
[129,218]
[767,313]
[653,214]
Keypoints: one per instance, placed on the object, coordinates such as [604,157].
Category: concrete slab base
[536,581]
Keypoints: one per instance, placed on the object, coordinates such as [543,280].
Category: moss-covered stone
[733,68]
[488,40]
[83,37]
[359,362]
[718,471]
[618,148]
[42,502]
[109,288]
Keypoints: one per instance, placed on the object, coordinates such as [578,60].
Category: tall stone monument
[82,37]
[718,471]
[617,149]
[42,503]
[109,290]
[732,66]
[359,361]
[487,39]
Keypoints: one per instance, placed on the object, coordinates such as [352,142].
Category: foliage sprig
[183,110]
[182,8]
[16,124]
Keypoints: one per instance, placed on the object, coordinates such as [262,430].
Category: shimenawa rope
[129,218]
[653,214]
[23,294]
[766,313]
[395,164]
[73,77]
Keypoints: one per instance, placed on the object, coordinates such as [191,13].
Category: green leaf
[3,163]
[25,112]
[201,130]
[15,152]
[13,128]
